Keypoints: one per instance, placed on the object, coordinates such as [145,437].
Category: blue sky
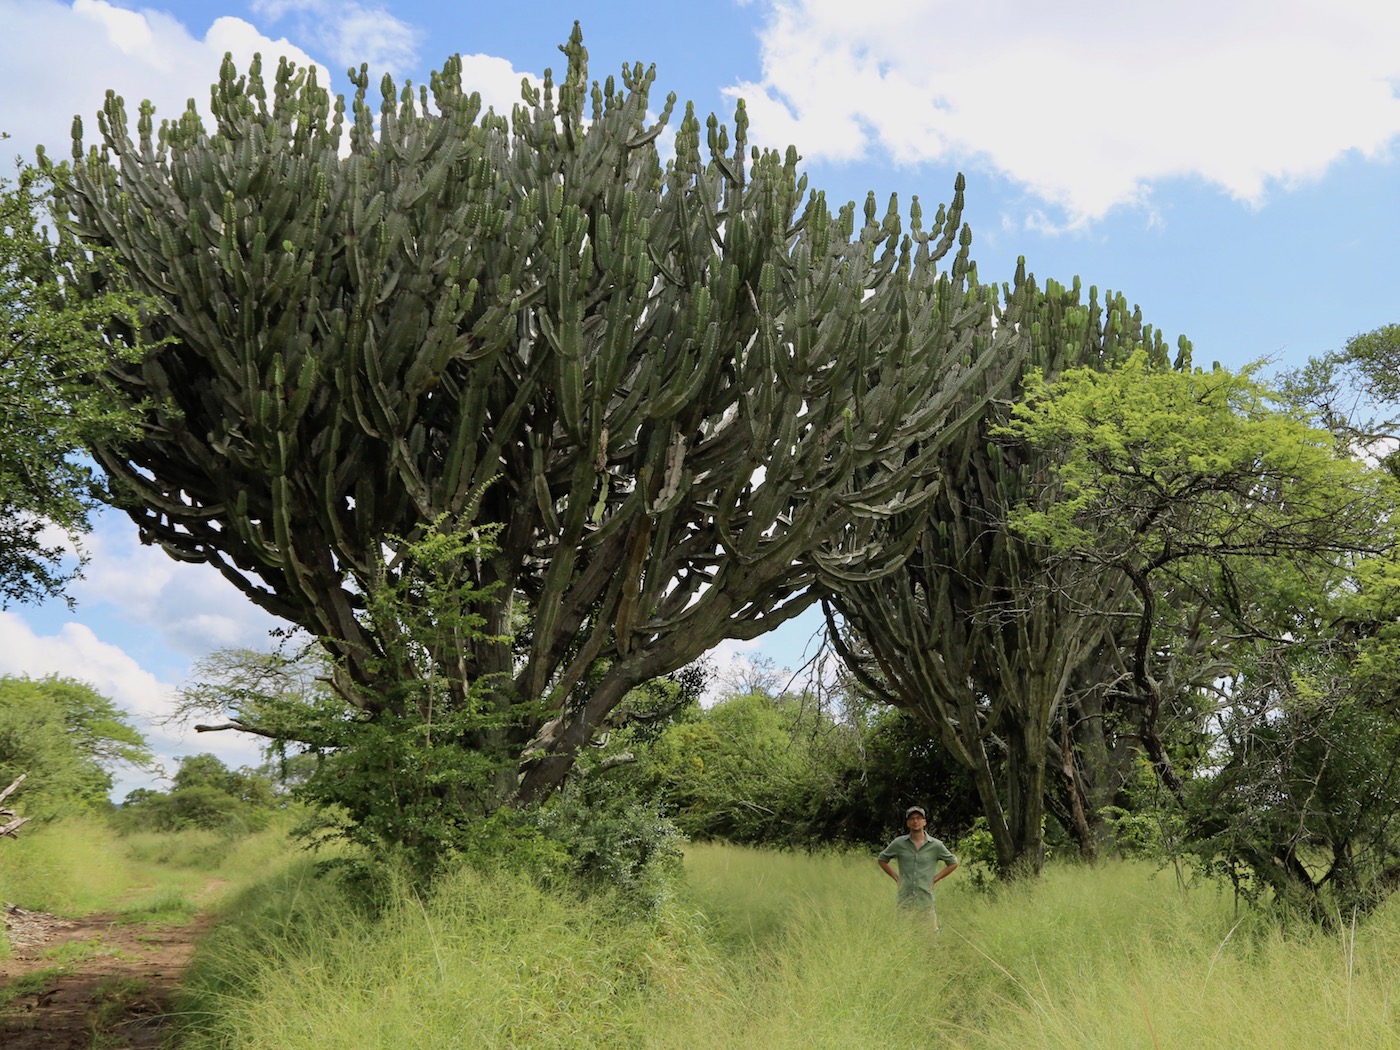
[1232,166]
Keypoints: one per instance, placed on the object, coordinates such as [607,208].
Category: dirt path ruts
[115,987]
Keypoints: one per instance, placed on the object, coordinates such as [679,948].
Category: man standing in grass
[918,857]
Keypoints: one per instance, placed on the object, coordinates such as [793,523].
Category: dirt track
[114,988]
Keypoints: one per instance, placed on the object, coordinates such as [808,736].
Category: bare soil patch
[94,982]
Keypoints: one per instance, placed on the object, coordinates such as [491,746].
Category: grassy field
[80,866]
[786,950]
[1117,956]
[757,949]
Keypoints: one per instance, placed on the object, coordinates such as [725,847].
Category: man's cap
[915,809]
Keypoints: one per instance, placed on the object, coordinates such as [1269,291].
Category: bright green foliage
[1376,356]
[1298,805]
[666,385]
[204,808]
[393,782]
[421,780]
[1194,483]
[48,406]
[1355,392]
[83,865]
[1231,519]
[1303,805]
[1207,459]
[66,737]
[434,762]
[736,771]
[407,788]
[781,771]
[1370,613]
[209,771]
[608,837]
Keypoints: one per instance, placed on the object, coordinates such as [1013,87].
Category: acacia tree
[1303,798]
[1300,797]
[985,633]
[1183,484]
[65,737]
[662,386]
[1354,391]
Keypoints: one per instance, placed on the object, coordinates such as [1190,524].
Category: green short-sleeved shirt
[917,867]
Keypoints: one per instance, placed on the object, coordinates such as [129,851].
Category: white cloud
[191,607]
[354,33]
[148,54]
[57,60]
[496,80]
[350,32]
[76,652]
[1086,103]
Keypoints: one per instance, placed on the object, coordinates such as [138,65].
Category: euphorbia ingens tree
[985,634]
[663,384]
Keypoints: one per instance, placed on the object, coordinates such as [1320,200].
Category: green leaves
[67,738]
[52,401]
[1166,462]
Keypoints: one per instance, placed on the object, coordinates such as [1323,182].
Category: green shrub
[202,807]
[618,840]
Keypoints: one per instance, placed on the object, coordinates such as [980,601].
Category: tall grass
[779,950]
[71,867]
[1114,957]
[491,960]
[818,955]
[761,949]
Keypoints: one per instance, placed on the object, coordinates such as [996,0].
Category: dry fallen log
[15,823]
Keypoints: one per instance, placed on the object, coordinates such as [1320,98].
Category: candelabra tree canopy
[650,391]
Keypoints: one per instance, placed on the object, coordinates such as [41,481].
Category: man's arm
[889,870]
[948,869]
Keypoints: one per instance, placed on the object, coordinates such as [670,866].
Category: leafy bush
[977,854]
[781,771]
[207,796]
[205,808]
[66,737]
[615,839]
[400,785]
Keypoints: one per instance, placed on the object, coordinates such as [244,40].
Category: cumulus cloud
[76,652]
[351,33]
[148,54]
[496,80]
[1087,103]
[190,607]
[59,59]
[355,33]
[136,604]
